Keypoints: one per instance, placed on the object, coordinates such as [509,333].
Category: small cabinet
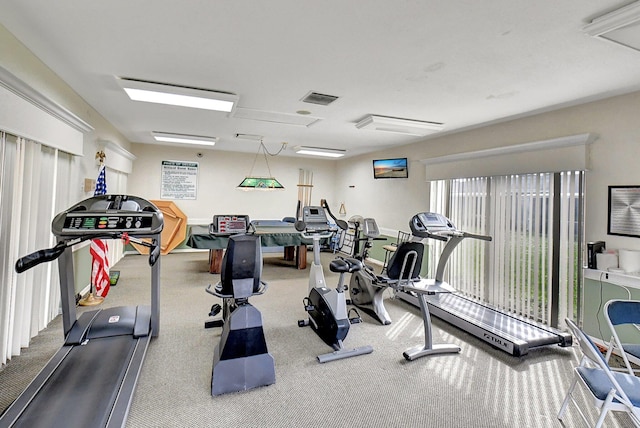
[599,288]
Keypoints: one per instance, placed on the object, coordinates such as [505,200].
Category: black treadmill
[90,381]
[507,332]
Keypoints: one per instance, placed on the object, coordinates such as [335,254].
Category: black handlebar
[339,222]
[49,254]
[40,256]
[154,254]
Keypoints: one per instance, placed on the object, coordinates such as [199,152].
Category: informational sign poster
[179,180]
[624,210]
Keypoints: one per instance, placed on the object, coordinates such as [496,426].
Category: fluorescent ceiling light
[621,26]
[400,126]
[182,96]
[318,151]
[184,139]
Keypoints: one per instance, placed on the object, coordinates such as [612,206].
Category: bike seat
[345,265]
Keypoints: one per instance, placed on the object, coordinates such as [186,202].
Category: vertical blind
[34,184]
[514,271]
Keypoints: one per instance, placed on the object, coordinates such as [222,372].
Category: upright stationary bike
[327,308]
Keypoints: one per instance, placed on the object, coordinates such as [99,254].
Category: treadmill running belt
[492,319]
[506,332]
[81,392]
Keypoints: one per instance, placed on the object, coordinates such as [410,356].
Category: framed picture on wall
[624,211]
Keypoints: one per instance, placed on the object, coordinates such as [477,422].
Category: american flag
[100,262]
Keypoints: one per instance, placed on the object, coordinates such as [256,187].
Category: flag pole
[91,299]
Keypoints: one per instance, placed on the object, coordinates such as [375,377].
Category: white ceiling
[461,63]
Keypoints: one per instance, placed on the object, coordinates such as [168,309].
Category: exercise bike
[403,276]
[241,359]
[326,307]
[366,289]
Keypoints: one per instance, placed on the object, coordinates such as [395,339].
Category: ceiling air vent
[318,98]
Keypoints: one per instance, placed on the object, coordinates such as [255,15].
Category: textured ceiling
[460,63]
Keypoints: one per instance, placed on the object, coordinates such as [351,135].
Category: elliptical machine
[327,308]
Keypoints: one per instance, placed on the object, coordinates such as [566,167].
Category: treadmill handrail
[476,236]
[29,261]
[445,235]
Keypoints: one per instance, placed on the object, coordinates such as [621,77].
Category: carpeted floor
[480,387]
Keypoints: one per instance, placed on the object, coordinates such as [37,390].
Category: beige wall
[220,172]
[614,161]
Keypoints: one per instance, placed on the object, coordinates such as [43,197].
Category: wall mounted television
[390,168]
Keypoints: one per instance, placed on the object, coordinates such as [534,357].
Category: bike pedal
[309,308]
[215,310]
[213,323]
[356,319]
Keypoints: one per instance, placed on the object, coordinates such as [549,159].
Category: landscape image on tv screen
[390,168]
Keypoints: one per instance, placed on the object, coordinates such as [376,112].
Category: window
[531,266]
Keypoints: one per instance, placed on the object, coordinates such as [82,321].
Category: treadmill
[510,333]
[90,381]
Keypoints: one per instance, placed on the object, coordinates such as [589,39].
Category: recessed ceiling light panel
[161,93]
[399,126]
[199,140]
[319,151]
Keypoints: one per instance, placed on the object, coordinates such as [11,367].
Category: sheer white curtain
[34,183]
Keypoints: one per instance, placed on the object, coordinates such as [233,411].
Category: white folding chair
[611,391]
[619,313]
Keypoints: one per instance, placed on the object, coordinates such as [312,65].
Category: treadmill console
[426,225]
[105,214]
[226,225]
[370,228]
[315,219]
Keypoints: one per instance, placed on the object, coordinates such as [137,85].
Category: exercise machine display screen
[109,214]
[315,219]
[433,222]
[229,224]
[91,222]
[432,225]
[370,228]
